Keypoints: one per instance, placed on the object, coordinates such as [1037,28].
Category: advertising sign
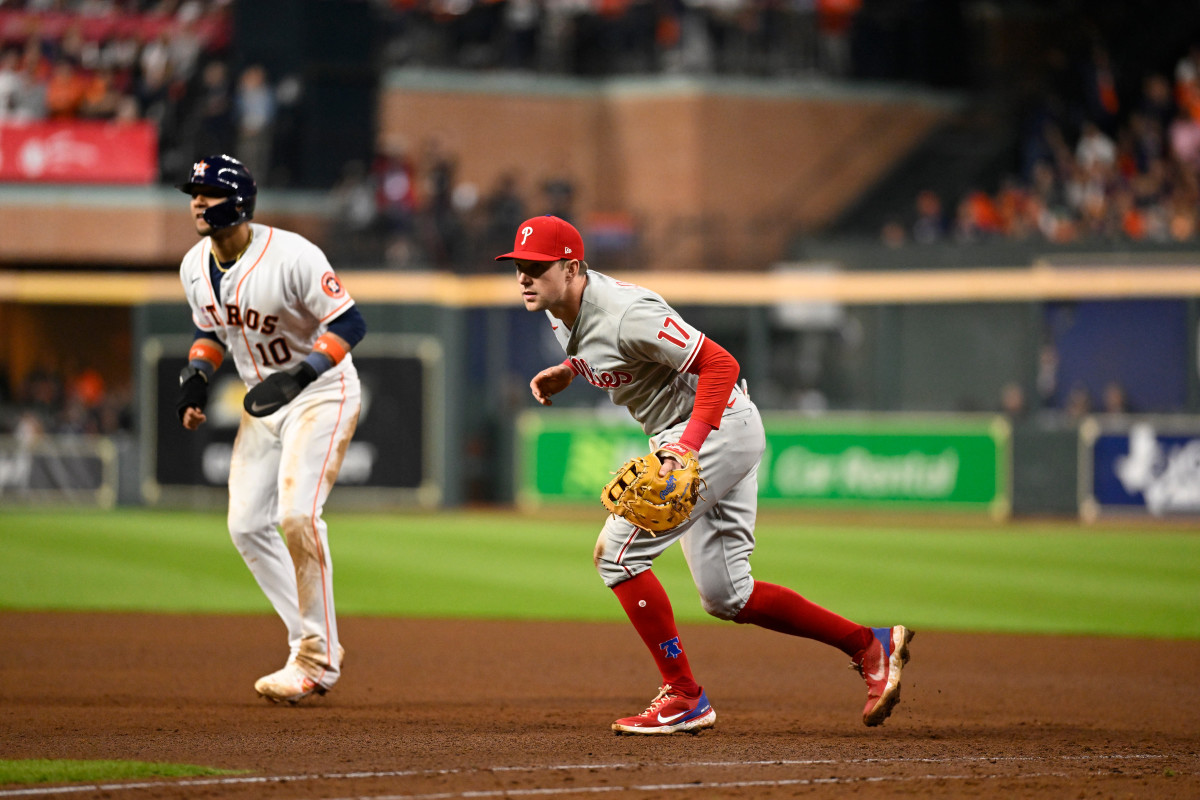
[79,151]
[892,461]
[1140,465]
[833,461]
[571,455]
[398,416]
[58,469]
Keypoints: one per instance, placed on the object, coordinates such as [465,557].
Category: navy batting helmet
[227,177]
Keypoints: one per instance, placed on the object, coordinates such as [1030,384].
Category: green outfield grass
[67,771]
[1018,577]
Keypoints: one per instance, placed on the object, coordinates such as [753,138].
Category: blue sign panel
[1143,467]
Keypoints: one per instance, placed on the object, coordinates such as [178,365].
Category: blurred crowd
[411,209]
[76,400]
[1075,403]
[1098,159]
[166,62]
[613,37]
[1095,164]
[169,62]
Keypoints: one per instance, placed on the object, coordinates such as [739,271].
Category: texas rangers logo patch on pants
[671,648]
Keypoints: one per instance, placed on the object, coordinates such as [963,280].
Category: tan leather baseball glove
[655,504]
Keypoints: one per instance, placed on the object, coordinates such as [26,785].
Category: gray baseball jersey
[629,342]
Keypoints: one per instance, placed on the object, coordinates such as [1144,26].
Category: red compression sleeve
[718,372]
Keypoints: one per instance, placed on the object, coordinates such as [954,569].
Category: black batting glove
[278,389]
[193,390]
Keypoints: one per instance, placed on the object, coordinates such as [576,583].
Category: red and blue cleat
[670,712]
[880,664]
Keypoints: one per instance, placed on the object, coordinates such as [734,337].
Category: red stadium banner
[76,151]
[17,26]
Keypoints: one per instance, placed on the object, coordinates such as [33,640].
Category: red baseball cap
[546,238]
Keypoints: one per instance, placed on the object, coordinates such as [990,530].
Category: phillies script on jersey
[605,379]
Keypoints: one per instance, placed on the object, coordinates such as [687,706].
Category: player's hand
[193,418]
[551,381]
[649,495]
[669,462]
[193,395]
[277,390]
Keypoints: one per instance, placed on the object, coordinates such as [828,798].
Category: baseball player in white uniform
[681,387]
[270,299]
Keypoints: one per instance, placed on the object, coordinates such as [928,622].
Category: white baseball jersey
[268,311]
[274,302]
[629,342]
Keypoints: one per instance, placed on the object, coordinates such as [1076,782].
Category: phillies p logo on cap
[546,238]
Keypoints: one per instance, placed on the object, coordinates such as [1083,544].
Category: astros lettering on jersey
[274,301]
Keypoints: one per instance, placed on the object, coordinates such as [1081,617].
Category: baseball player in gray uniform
[270,299]
[681,387]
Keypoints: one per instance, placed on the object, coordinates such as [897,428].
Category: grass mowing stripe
[77,565]
[68,771]
[1023,577]
[1017,579]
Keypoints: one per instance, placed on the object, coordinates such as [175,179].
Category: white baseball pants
[283,468]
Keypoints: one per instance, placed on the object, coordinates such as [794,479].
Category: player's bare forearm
[193,418]
[550,381]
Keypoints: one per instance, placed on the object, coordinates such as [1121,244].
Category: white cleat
[292,684]
[288,685]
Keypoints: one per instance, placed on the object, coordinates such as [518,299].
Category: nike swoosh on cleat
[256,407]
[667,720]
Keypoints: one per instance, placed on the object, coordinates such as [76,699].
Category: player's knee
[611,573]
[726,602]
[245,518]
[243,530]
[720,607]
[295,524]
[295,529]
[239,536]
[302,540]
[250,538]
[608,570]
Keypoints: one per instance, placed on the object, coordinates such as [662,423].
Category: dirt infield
[431,709]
